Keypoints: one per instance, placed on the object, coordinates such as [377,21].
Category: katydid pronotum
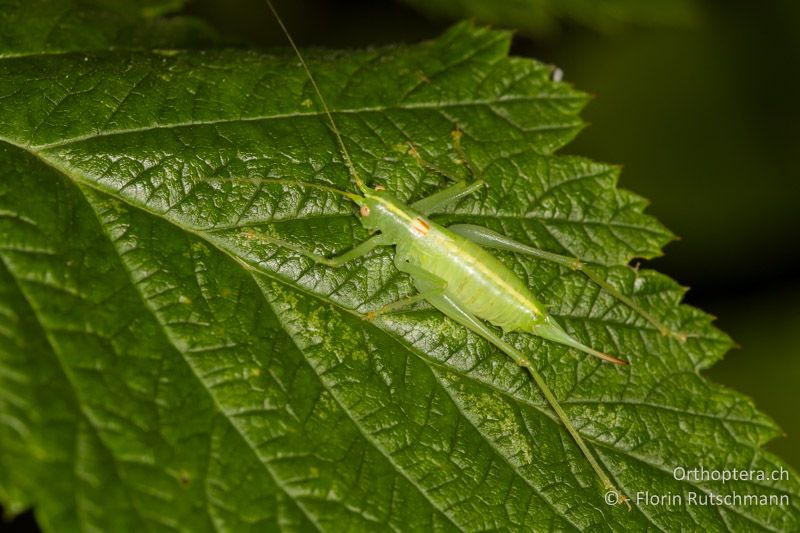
[453,272]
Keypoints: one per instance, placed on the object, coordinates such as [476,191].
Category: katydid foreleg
[446,196]
[359,250]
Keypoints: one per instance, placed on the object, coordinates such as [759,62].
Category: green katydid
[453,272]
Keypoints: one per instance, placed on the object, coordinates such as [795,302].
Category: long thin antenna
[359,182]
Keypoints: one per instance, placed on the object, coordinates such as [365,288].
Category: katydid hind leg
[492,239]
[452,310]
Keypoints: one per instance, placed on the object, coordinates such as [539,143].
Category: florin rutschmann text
[697,476]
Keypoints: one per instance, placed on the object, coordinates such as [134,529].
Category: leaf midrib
[412,106]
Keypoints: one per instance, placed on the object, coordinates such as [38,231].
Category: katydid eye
[364,211]
[380,188]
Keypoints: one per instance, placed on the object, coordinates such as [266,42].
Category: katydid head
[362,199]
[379,210]
[371,209]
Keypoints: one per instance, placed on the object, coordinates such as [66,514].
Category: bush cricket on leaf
[452,270]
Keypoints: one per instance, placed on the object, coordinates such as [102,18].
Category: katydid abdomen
[475,278]
[471,277]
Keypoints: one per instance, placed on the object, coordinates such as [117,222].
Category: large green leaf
[166,364]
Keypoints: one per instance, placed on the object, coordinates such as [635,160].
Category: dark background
[706,120]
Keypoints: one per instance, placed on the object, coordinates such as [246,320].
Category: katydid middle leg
[427,286]
[492,239]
